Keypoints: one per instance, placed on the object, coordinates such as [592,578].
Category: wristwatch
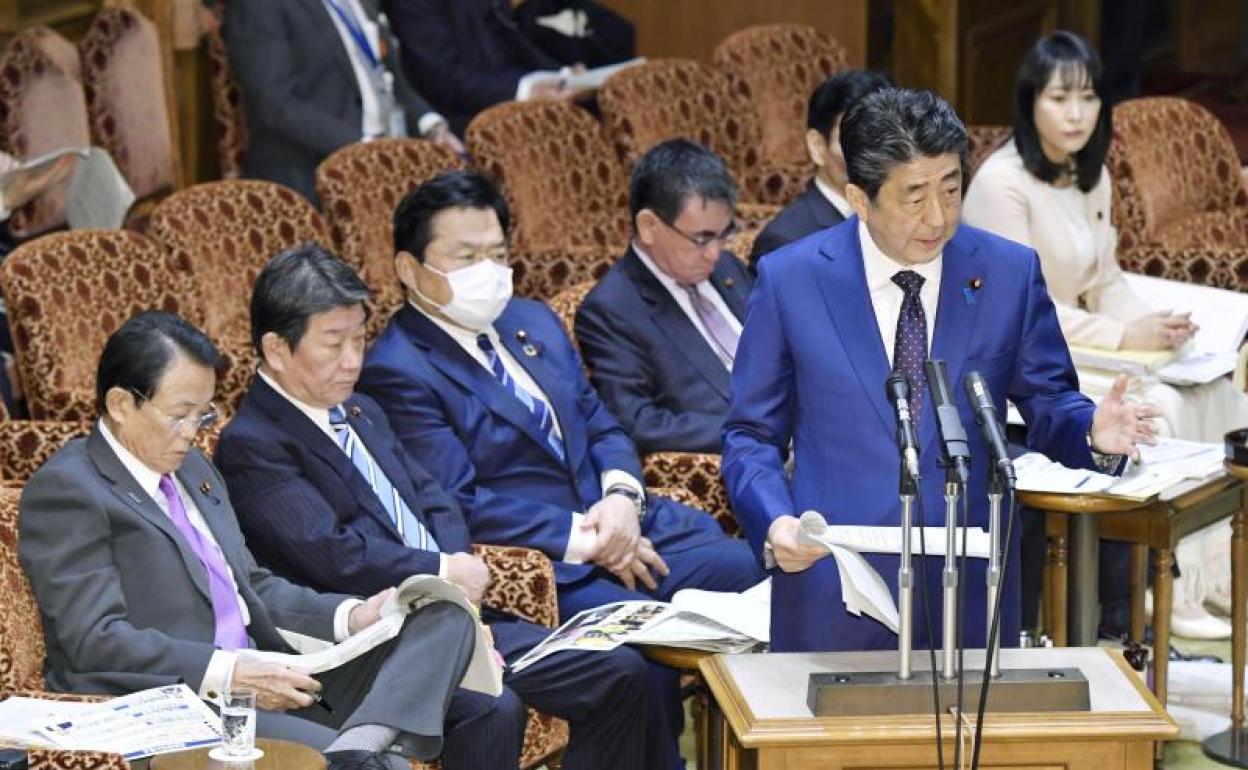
[1105,463]
[639,500]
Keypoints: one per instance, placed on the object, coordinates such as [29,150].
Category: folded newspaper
[484,673]
[155,721]
[713,621]
[98,195]
[862,589]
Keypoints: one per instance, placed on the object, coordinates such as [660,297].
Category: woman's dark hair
[137,355]
[413,218]
[296,284]
[1077,64]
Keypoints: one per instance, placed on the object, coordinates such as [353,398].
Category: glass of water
[238,723]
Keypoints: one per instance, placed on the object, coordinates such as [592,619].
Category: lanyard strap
[357,32]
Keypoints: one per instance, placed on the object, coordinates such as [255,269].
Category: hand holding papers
[484,672]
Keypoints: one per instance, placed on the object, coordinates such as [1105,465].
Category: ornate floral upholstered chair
[22,647]
[1179,203]
[563,183]
[666,98]
[984,141]
[42,108]
[66,292]
[229,112]
[776,67]
[128,103]
[360,185]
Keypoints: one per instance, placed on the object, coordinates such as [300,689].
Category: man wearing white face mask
[486,392]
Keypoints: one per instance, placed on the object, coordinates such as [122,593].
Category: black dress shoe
[355,760]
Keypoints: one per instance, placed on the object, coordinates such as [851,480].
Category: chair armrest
[697,473]
[60,759]
[522,582]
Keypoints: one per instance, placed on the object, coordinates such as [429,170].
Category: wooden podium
[759,719]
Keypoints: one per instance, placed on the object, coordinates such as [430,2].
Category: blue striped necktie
[539,408]
[410,529]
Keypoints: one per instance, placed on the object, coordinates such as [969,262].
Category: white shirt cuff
[580,541]
[524,87]
[428,122]
[217,676]
[613,477]
[342,619]
[442,566]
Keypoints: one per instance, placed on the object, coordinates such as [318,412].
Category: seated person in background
[319,75]
[486,392]
[823,203]
[578,31]
[328,498]
[1049,189]
[659,331]
[469,55]
[144,580]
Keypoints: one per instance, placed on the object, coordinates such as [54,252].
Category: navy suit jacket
[456,419]
[310,515]
[805,214]
[811,369]
[651,365]
[464,55]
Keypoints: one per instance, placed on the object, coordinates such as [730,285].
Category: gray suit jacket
[303,100]
[124,599]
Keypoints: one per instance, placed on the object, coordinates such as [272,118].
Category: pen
[320,701]
[1083,481]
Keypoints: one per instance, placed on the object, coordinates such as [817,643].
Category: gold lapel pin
[977,283]
[730,282]
[205,487]
[529,348]
[355,411]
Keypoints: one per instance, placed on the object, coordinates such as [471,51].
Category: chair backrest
[667,98]
[42,108]
[984,141]
[776,67]
[126,99]
[22,648]
[563,182]
[1170,158]
[221,234]
[229,111]
[25,445]
[66,292]
[565,305]
[360,185]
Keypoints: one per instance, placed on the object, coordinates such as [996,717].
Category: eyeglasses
[702,240]
[177,425]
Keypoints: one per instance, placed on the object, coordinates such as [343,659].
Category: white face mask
[479,293]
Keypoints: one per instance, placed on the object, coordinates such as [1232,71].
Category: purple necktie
[910,344]
[231,634]
[722,335]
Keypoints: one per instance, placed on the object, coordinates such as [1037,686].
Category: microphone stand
[996,491]
[905,575]
[954,475]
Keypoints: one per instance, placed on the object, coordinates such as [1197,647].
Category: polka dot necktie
[910,344]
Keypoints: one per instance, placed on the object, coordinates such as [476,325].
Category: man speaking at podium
[834,313]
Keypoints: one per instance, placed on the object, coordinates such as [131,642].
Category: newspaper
[701,620]
[156,721]
[484,673]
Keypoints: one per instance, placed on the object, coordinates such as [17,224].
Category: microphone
[953,442]
[989,428]
[898,390]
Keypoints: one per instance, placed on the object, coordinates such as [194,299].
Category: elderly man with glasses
[143,579]
[659,332]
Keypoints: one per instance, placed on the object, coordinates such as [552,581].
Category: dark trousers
[722,565]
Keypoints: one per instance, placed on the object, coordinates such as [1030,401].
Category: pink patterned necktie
[231,634]
[910,344]
[724,338]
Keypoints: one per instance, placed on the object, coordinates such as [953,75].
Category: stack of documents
[1171,462]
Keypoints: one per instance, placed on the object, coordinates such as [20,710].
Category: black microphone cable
[927,619]
[991,648]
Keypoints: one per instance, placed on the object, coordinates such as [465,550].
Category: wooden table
[1076,523]
[278,755]
[761,722]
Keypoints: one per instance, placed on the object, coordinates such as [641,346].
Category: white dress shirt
[886,296]
[374,123]
[835,198]
[320,418]
[220,668]
[580,541]
[678,293]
